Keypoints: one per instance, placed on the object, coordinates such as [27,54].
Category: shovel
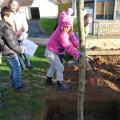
[93,78]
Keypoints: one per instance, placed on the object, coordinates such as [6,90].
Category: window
[35,13]
[105,9]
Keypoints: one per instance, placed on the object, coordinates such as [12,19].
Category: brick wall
[107,28]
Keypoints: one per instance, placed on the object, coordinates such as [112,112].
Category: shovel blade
[92,81]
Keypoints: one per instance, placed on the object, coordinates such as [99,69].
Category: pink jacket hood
[65,18]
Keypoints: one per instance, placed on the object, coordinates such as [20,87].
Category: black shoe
[29,67]
[1,103]
[0,94]
[49,81]
[22,86]
[62,86]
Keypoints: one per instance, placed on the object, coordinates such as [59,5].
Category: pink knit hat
[65,18]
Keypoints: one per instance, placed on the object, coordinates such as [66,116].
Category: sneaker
[62,86]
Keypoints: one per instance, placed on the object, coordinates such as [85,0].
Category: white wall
[46,8]
[26,12]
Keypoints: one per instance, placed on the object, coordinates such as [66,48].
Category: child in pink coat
[62,40]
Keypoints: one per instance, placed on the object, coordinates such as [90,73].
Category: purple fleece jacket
[60,41]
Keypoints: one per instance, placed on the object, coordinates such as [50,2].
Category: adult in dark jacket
[9,46]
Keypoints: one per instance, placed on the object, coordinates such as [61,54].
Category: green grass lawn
[25,105]
[47,25]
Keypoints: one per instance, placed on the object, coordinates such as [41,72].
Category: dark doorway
[35,14]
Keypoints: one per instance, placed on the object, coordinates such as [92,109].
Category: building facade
[106,17]
[35,9]
[106,13]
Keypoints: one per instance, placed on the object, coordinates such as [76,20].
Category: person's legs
[51,71]
[58,66]
[15,70]
[11,77]
[27,59]
[55,64]
[21,61]
[26,56]
[50,75]
[59,73]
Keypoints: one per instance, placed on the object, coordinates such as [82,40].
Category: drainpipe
[74,7]
[94,17]
[104,9]
[114,13]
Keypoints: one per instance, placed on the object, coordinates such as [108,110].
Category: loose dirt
[102,101]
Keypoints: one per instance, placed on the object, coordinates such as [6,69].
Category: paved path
[34,29]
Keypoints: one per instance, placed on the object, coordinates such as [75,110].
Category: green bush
[62,7]
[47,25]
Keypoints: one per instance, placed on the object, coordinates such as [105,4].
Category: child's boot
[62,86]
[49,81]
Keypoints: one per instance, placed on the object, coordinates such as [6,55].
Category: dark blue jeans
[61,57]
[26,56]
[15,72]
[27,59]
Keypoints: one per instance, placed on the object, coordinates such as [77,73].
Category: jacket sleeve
[10,40]
[1,43]
[68,46]
[74,40]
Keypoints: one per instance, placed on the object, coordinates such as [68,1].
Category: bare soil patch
[102,101]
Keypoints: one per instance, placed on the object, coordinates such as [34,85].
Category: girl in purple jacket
[62,40]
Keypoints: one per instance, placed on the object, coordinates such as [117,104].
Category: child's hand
[18,35]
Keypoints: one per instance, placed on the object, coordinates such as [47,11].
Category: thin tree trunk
[81,33]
